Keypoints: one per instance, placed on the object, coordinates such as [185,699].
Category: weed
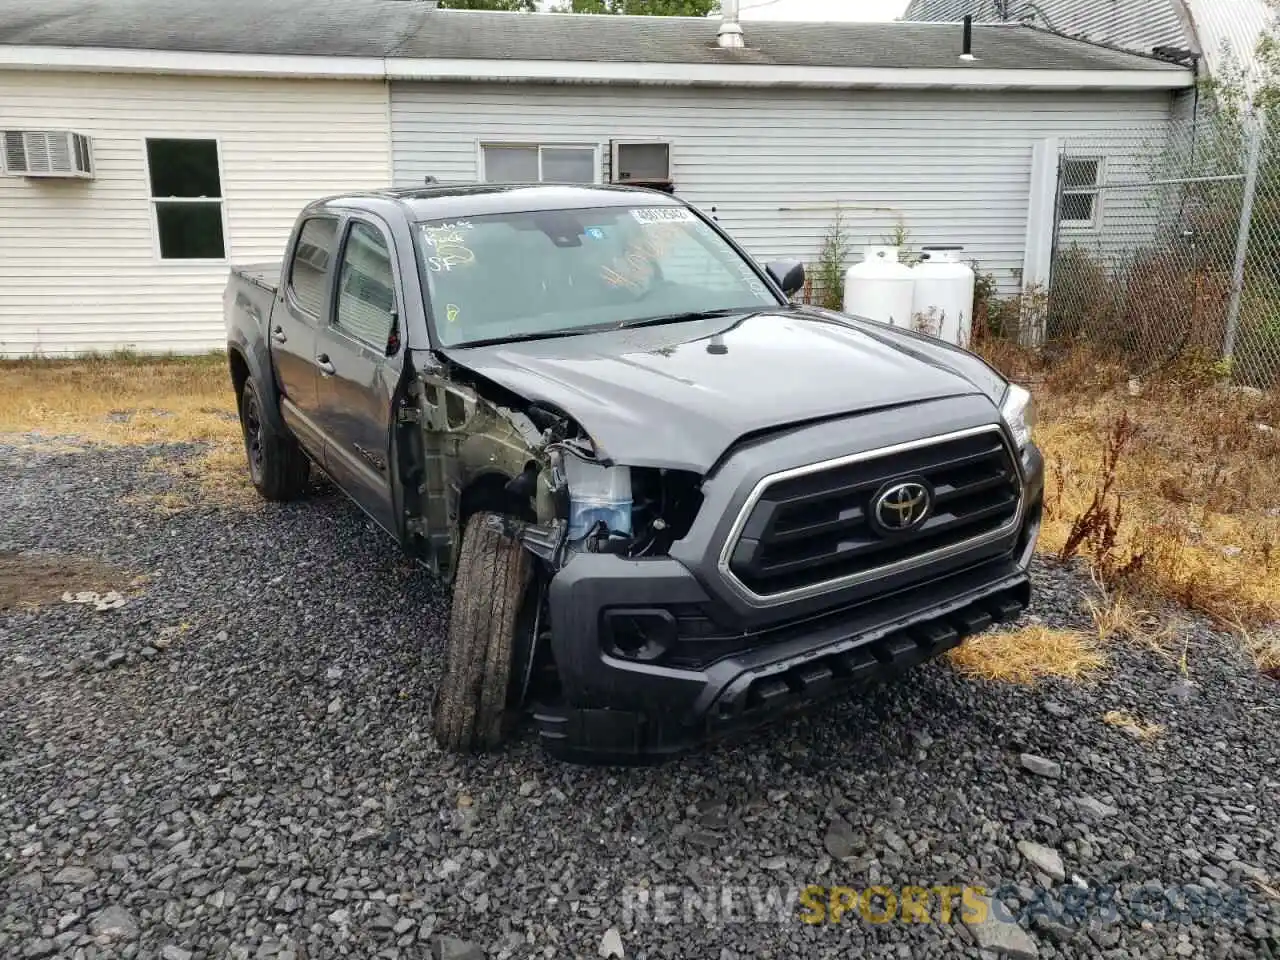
[1096,529]
[832,262]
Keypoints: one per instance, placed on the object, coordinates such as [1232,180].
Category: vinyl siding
[773,165]
[79,269]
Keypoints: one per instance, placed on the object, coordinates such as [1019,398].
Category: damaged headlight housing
[597,493]
[1018,411]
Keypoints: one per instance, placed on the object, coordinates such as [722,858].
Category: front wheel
[494,574]
[278,468]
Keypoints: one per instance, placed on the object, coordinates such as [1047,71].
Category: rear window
[310,262]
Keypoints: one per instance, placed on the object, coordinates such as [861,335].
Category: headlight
[596,493]
[1018,411]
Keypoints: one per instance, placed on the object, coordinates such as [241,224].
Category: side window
[311,261]
[366,288]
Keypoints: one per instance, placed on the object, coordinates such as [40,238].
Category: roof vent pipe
[967,52]
[730,33]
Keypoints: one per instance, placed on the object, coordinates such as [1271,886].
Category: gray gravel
[237,763]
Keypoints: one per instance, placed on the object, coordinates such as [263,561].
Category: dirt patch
[30,579]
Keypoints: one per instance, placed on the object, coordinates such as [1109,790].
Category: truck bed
[265,275]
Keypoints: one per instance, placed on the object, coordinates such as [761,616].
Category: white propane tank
[880,288]
[943,304]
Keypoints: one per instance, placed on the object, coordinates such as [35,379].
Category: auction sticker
[649,215]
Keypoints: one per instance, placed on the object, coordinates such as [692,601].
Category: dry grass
[1168,489]
[1132,725]
[1264,646]
[1116,618]
[1029,655]
[1197,490]
[129,400]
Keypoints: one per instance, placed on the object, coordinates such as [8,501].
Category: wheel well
[489,492]
[239,370]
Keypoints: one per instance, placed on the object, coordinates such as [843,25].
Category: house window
[1079,190]
[186,195]
[531,163]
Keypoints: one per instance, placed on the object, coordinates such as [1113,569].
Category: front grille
[811,529]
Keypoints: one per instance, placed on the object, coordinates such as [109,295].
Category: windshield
[561,272]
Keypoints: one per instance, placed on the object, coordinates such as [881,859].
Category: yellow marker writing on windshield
[451,312]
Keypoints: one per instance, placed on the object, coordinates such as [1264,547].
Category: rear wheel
[489,592]
[277,466]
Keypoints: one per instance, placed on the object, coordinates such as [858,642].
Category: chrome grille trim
[874,573]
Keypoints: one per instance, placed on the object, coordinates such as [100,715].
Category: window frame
[540,145]
[152,200]
[1094,191]
[332,326]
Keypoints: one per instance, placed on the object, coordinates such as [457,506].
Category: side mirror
[788,274]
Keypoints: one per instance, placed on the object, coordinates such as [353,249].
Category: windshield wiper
[526,337]
[688,317]
[606,327]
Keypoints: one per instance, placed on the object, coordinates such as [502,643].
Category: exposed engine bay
[493,450]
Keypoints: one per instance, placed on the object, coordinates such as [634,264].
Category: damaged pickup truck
[671,504]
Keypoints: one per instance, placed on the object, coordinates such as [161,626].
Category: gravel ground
[237,762]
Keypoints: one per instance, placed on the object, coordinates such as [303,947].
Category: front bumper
[719,670]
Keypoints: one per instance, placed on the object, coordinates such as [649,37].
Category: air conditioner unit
[641,162]
[47,153]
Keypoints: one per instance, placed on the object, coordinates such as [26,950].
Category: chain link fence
[1169,242]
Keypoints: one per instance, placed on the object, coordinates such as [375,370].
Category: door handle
[277,334]
[326,367]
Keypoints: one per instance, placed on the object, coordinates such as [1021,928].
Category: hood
[679,395]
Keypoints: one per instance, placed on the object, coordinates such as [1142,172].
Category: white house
[203,128]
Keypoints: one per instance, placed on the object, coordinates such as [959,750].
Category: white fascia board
[751,75]
[106,60]
[112,60]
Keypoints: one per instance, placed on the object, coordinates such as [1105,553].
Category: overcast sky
[822,9]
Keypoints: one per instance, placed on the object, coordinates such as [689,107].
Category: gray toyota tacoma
[671,504]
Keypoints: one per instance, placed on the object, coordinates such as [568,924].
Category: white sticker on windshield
[649,215]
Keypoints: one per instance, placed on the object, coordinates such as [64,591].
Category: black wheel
[489,592]
[277,466]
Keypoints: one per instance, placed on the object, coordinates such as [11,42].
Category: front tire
[278,468]
[492,578]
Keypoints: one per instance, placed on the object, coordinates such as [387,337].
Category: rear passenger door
[295,323]
[359,358]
